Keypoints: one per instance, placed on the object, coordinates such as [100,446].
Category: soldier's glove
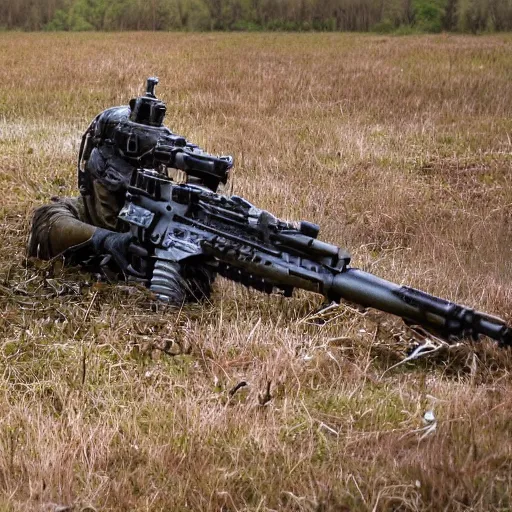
[118,248]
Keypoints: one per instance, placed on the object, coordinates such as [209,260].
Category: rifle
[190,223]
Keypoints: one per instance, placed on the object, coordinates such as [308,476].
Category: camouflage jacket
[70,222]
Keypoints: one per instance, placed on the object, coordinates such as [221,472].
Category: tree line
[328,15]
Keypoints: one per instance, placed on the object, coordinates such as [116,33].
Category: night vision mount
[148,109]
[174,151]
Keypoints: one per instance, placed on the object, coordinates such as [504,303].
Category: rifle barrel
[441,316]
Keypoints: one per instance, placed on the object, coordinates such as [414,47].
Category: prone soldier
[86,229]
[126,194]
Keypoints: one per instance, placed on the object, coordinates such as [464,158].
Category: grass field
[400,148]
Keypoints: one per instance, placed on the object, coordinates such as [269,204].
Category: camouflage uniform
[71,222]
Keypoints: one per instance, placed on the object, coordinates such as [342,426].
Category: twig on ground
[265,398]
[240,385]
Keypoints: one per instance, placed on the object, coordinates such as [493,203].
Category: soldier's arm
[58,227]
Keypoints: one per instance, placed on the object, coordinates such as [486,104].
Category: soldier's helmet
[125,137]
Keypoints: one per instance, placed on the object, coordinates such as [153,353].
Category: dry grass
[400,148]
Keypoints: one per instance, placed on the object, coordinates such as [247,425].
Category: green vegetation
[322,15]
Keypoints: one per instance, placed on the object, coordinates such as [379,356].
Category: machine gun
[190,223]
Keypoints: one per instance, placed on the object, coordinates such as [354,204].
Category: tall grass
[399,149]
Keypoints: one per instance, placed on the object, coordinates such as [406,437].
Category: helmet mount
[148,109]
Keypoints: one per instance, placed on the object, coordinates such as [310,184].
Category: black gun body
[183,223]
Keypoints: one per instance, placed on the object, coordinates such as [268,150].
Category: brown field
[400,148]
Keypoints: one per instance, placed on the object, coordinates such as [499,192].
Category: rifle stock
[188,223]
